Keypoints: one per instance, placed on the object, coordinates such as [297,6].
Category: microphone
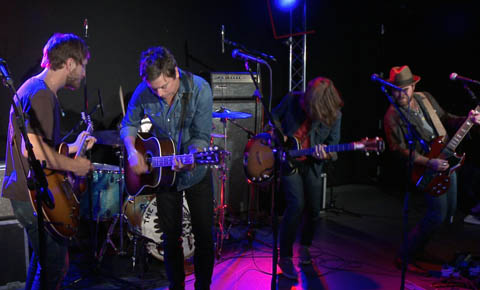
[223,38]
[85,25]
[456,77]
[100,103]
[376,78]
[4,74]
[246,57]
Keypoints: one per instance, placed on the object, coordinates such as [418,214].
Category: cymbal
[223,113]
[215,135]
[108,137]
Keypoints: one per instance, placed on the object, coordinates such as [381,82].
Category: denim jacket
[292,116]
[165,120]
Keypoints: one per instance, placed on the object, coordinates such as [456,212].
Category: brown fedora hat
[402,76]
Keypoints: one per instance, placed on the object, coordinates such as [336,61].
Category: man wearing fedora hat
[428,119]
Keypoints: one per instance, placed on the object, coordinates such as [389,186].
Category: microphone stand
[37,181]
[80,122]
[252,51]
[470,93]
[412,137]
[279,157]
[85,92]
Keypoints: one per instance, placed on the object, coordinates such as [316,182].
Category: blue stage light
[285,4]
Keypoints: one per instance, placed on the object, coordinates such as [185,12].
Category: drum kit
[106,202]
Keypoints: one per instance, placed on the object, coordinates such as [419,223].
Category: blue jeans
[56,260]
[439,209]
[303,197]
[169,210]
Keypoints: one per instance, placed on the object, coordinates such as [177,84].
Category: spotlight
[285,4]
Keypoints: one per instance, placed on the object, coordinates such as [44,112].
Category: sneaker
[288,270]
[471,219]
[304,254]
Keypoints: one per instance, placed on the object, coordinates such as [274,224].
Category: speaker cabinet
[236,134]
[6,211]
[14,255]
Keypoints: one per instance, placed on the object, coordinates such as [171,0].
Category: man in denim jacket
[164,90]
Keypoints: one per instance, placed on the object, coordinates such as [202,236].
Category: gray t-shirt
[42,118]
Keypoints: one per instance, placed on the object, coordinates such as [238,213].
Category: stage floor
[354,248]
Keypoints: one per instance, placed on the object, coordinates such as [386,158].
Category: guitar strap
[433,115]
[185,98]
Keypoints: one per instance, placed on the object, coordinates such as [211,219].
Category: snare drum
[106,192]
[141,212]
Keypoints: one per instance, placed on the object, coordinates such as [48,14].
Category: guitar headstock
[88,121]
[211,156]
[368,145]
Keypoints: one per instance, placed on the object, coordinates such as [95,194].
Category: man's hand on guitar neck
[320,153]
[180,167]
[73,147]
[474,116]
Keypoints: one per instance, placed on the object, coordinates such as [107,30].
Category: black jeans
[439,209]
[303,195]
[169,210]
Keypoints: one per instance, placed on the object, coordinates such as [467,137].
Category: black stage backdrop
[352,40]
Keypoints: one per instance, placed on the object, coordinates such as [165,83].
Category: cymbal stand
[252,191]
[220,209]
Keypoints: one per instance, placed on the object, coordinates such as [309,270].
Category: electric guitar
[62,218]
[434,182]
[160,155]
[259,159]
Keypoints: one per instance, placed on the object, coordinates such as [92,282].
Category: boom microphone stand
[37,181]
[412,137]
[279,155]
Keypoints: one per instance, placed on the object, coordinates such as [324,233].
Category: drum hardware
[119,217]
[215,135]
[104,200]
[225,115]
[222,176]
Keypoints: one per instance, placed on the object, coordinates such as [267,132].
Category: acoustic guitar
[160,155]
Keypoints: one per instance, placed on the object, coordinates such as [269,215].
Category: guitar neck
[83,144]
[461,132]
[330,148]
[164,161]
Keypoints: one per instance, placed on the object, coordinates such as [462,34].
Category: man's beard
[73,83]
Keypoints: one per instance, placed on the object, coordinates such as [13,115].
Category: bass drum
[141,212]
